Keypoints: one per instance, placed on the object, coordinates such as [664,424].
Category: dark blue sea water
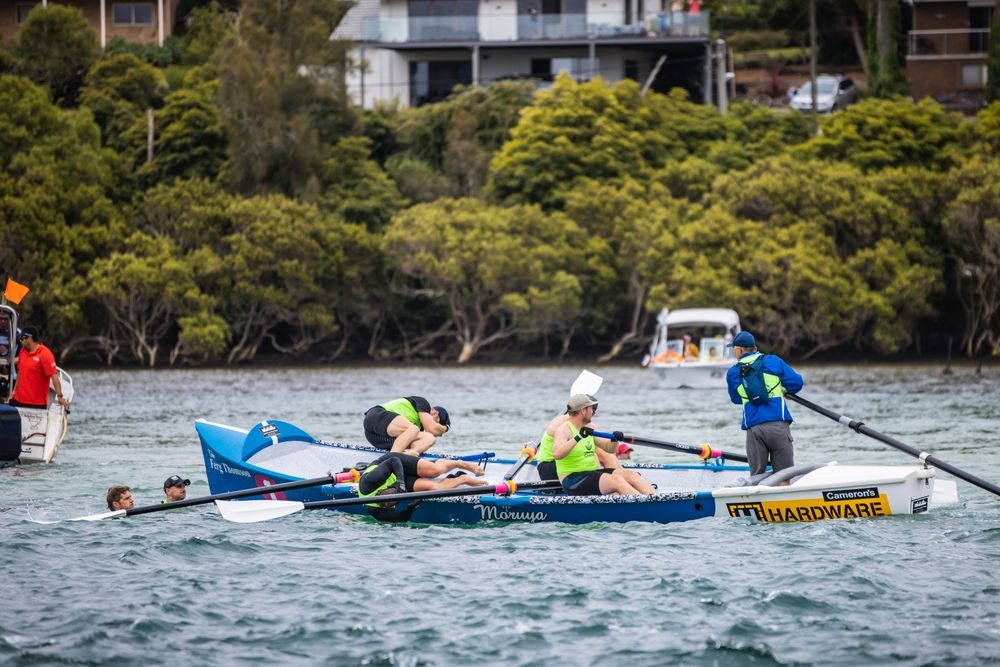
[184,587]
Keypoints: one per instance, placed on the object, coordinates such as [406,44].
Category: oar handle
[704,451]
[527,454]
[503,489]
[925,457]
[347,476]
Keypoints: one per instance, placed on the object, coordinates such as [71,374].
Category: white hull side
[833,492]
[693,374]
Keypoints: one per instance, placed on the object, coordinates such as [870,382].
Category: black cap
[175,480]
[28,331]
[443,416]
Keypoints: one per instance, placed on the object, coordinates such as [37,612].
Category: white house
[417,50]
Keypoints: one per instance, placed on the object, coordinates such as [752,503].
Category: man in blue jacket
[765,413]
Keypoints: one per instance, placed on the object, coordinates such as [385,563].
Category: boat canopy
[699,317]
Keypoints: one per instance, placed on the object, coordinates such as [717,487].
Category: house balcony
[516,28]
[955,44]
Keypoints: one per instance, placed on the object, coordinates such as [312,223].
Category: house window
[432,81]
[127,13]
[632,70]
[973,76]
[22,11]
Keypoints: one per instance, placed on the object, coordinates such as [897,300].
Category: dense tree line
[269,215]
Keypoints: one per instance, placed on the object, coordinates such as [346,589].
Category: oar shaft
[527,454]
[499,489]
[859,427]
[673,446]
[244,493]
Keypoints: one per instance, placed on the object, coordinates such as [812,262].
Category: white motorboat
[702,369]
[27,435]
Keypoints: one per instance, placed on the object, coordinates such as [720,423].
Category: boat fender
[10,433]
[790,474]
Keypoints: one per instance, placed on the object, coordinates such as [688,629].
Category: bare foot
[471,467]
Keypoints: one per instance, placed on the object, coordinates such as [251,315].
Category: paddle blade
[252,511]
[105,515]
[586,383]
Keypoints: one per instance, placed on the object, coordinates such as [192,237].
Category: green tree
[355,187]
[298,277]
[503,272]
[282,93]
[972,229]
[875,134]
[190,140]
[119,89]
[993,61]
[886,77]
[56,46]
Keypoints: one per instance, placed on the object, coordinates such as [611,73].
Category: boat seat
[789,474]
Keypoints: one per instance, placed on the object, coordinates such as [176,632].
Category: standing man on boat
[408,423]
[36,366]
[583,468]
[759,382]
[401,473]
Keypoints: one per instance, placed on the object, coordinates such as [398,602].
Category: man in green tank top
[547,462]
[583,468]
[406,424]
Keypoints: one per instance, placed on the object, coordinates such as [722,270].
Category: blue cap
[743,339]
[443,416]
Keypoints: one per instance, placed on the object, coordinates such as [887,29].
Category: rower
[406,424]
[583,468]
[401,473]
[547,462]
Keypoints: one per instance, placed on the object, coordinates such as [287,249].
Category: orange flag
[15,291]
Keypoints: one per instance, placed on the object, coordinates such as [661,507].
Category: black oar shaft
[487,490]
[859,427]
[527,454]
[231,495]
[672,446]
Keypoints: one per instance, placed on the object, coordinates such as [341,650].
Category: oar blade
[252,511]
[586,383]
[106,515]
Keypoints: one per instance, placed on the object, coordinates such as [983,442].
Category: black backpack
[752,379]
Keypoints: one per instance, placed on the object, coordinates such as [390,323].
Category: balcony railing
[528,27]
[943,44]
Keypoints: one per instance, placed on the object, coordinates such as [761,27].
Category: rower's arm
[431,425]
[563,442]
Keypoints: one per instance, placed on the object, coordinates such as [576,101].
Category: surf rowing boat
[275,452]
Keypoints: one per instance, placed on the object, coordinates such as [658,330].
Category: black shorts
[377,422]
[410,475]
[585,483]
[547,471]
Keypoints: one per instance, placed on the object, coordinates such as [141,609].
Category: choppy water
[187,588]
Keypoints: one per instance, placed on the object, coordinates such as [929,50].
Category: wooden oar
[252,511]
[925,457]
[705,451]
[349,476]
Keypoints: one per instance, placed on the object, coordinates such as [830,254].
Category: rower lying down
[273,453]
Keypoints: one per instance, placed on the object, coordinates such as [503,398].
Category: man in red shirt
[35,367]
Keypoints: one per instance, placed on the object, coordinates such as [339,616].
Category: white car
[832,92]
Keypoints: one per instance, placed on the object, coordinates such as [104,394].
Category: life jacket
[757,387]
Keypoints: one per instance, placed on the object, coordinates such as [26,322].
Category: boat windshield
[713,349]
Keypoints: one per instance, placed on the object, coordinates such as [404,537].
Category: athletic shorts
[585,483]
[377,422]
[547,471]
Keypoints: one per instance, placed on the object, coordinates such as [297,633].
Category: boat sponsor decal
[850,494]
[225,469]
[260,480]
[268,430]
[494,513]
[919,505]
[786,511]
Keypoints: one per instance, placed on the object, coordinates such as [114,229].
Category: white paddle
[586,383]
